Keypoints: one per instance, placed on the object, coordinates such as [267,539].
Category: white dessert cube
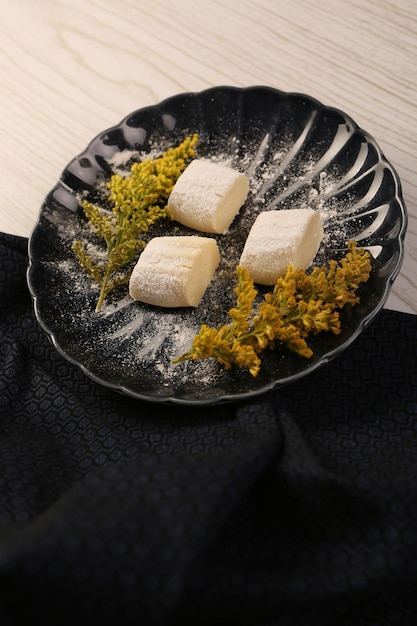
[174,271]
[278,239]
[208,196]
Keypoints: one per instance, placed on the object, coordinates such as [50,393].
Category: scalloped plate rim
[275,384]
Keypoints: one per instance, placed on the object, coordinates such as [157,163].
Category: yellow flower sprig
[300,304]
[137,201]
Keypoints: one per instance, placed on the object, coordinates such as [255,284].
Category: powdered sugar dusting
[130,345]
[140,337]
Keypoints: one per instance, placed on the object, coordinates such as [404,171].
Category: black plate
[296,151]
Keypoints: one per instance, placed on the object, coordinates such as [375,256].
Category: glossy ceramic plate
[296,152]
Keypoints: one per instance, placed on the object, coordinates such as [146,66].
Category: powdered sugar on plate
[331,168]
[138,337]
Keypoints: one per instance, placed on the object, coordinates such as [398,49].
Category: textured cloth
[298,508]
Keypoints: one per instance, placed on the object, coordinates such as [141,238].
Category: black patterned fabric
[299,508]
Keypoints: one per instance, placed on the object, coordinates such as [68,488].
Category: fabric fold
[299,507]
[136,526]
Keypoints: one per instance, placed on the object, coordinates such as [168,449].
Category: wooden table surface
[70,69]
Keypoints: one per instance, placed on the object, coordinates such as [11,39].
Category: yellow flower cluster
[300,304]
[137,201]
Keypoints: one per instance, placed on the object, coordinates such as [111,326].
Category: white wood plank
[69,70]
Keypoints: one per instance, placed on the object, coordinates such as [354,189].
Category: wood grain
[70,69]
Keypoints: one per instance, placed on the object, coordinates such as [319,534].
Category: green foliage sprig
[137,201]
[300,304]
